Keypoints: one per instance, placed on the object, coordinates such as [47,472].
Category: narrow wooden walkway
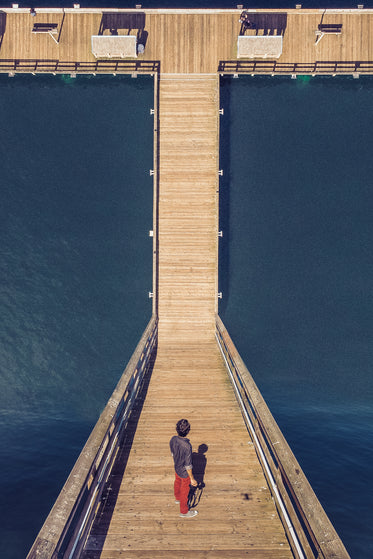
[237,516]
[188,207]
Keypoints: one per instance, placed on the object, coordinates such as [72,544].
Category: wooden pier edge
[155,172]
[312,527]
[70,517]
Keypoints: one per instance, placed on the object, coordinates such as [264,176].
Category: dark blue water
[296,273]
[75,269]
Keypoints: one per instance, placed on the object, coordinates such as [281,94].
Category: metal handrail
[309,530]
[65,529]
[225,67]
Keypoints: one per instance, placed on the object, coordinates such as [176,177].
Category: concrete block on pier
[259,46]
[114,46]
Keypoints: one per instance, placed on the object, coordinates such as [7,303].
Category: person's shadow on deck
[199,462]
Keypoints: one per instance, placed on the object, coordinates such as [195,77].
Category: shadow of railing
[110,492]
[99,66]
[75,510]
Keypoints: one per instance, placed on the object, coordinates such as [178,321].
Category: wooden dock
[237,516]
[188,207]
[187,41]
[118,501]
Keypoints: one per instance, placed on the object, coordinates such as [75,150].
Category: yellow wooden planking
[236,516]
[193,42]
[188,208]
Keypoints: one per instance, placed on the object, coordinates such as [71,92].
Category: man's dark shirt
[181,450]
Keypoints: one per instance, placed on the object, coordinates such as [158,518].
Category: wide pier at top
[187,41]
[255,499]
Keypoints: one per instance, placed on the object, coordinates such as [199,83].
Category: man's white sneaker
[189,514]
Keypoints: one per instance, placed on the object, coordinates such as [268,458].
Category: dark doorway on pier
[263,23]
[102,519]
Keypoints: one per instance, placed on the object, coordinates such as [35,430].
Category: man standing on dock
[181,451]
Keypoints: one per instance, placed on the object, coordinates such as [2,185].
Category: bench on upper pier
[327,29]
[50,28]
[259,46]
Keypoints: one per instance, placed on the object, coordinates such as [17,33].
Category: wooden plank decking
[188,207]
[237,516]
[187,41]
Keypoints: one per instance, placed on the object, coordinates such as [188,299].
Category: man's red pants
[181,491]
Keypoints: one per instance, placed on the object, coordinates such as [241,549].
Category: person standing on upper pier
[246,23]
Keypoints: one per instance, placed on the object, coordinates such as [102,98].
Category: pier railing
[65,529]
[53,66]
[319,67]
[230,67]
[309,530]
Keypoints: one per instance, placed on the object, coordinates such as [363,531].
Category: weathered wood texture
[237,516]
[188,207]
[187,41]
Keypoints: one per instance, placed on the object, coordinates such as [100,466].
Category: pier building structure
[255,499]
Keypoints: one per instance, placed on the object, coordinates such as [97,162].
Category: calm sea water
[75,268]
[296,274]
